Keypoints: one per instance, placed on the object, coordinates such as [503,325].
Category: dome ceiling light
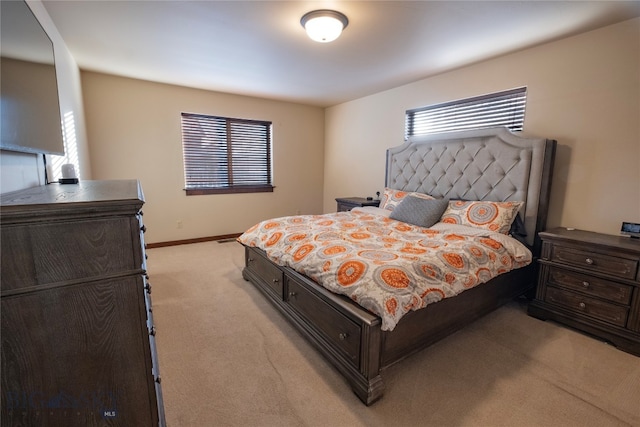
[324,25]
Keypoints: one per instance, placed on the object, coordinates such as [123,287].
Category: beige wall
[21,170]
[134,132]
[583,91]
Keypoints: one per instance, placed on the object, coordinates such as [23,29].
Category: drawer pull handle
[250,259]
[582,305]
[343,336]
[589,261]
[585,284]
[292,294]
[275,280]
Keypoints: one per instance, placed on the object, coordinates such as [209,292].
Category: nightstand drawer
[348,203]
[344,207]
[590,285]
[620,267]
[588,306]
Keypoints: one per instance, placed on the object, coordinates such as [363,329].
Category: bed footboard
[347,336]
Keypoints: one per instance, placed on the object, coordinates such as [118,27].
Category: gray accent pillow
[418,211]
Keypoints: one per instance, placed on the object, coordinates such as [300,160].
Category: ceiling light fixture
[324,25]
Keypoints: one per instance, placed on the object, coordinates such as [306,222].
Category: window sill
[230,190]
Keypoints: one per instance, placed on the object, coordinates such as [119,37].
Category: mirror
[30,110]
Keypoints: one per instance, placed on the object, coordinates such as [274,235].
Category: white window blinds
[226,155]
[493,110]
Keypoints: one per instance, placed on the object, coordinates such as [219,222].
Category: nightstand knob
[585,284]
[292,294]
[582,305]
[589,261]
[275,280]
[343,336]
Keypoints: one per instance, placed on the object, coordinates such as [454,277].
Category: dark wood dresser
[77,329]
[591,281]
[348,203]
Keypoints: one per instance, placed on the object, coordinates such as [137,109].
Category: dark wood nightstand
[591,281]
[348,203]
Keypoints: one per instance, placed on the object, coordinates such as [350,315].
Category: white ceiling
[259,48]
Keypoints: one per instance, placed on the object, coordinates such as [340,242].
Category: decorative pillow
[492,216]
[419,211]
[392,198]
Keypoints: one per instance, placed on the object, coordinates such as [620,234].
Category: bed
[471,167]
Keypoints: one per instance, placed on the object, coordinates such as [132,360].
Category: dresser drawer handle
[589,261]
[250,259]
[276,280]
[343,336]
[586,284]
[582,305]
[292,294]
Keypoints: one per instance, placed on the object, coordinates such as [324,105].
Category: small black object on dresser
[348,203]
[591,282]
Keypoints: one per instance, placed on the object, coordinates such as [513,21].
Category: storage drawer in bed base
[365,349]
[347,336]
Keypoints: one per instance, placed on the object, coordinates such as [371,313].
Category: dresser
[348,203]
[591,282]
[78,340]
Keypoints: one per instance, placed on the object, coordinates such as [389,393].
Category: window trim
[228,189]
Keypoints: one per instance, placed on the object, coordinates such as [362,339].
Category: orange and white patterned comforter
[386,266]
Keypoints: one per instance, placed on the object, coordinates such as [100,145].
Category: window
[496,109]
[226,155]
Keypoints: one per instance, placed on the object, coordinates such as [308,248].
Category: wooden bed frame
[491,164]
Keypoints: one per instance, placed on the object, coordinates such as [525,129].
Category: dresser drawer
[260,264]
[588,306]
[342,333]
[50,252]
[590,285]
[606,264]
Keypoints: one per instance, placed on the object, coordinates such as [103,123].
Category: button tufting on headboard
[487,164]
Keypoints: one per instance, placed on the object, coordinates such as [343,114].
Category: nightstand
[591,282]
[348,203]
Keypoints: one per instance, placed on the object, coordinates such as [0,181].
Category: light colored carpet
[228,358]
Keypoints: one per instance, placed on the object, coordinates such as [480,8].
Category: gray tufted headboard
[488,164]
